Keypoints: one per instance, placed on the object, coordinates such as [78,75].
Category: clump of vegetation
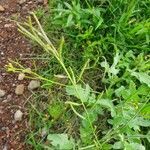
[96,80]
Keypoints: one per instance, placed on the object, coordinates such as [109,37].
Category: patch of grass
[96,80]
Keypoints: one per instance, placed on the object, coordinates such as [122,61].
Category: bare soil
[13,46]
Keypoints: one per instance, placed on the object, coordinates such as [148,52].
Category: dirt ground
[13,46]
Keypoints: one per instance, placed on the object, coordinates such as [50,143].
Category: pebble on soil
[2,93]
[2,9]
[21,1]
[34,84]
[19,89]
[18,115]
[21,76]
[13,46]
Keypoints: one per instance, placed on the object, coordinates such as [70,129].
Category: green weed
[96,77]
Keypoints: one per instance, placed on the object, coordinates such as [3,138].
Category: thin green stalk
[83,69]
[50,48]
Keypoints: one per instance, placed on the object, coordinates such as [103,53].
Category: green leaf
[118,145]
[61,141]
[113,69]
[99,23]
[79,92]
[69,20]
[86,135]
[86,131]
[145,112]
[142,77]
[119,91]
[68,5]
[56,109]
[143,90]
[85,96]
[105,65]
[148,136]
[139,121]
[107,104]
[134,146]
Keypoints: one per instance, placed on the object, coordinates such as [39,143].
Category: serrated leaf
[113,69]
[107,104]
[55,110]
[148,136]
[134,146]
[118,145]
[142,77]
[118,91]
[61,141]
[79,92]
[105,65]
[139,121]
[145,112]
[143,90]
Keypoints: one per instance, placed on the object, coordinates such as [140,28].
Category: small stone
[4,74]
[2,93]
[2,53]
[34,84]
[3,128]
[40,1]
[18,115]
[45,2]
[5,101]
[9,97]
[21,76]
[30,2]
[5,147]
[2,9]
[19,89]
[21,1]
[21,55]
[8,25]
[13,84]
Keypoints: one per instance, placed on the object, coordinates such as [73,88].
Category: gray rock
[2,93]
[40,1]
[4,128]
[19,89]
[8,25]
[18,115]
[34,84]
[5,147]
[21,76]
[21,1]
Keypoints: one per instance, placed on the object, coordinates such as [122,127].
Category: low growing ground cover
[95,74]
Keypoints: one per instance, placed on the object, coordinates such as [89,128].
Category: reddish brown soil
[13,46]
